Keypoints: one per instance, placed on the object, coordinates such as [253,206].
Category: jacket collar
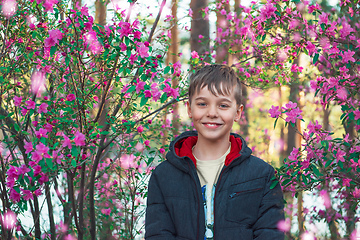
[181,147]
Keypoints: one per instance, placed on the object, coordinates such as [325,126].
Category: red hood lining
[184,148]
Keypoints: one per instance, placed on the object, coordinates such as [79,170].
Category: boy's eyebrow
[222,99]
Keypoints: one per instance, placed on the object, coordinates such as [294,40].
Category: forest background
[92,93]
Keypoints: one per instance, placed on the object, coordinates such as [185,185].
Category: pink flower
[284,225]
[357,114]
[93,43]
[356,193]
[223,12]
[139,147]
[79,139]
[355,235]
[147,143]
[124,29]
[142,50]
[267,11]
[274,111]
[8,8]
[71,97]
[17,100]
[324,18]
[147,93]
[194,54]
[66,142]
[346,182]
[140,86]
[310,47]
[41,133]
[346,30]
[27,194]
[190,12]
[44,178]
[313,128]
[12,172]
[23,169]
[30,104]
[49,5]
[340,155]
[43,108]
[162,151]
[341,93]
[140,129]
[106,211]
[14,195]
[28,147]
[173,93]
[38,192]
[54,37]
[326,198]
[127,161]
[292,112]
[347,56]
[42,150]
[8,220]
[38,82]
[37,170]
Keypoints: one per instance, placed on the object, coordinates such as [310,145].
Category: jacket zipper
[234,194]
[199,204]
[217,185]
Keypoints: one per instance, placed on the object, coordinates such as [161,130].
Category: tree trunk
[199,26]
[51,213]
[174,54]
[222,51]
[100,12]
[294,141]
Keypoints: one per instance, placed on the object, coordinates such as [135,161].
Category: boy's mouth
[212,125]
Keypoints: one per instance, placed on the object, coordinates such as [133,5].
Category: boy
[211,187]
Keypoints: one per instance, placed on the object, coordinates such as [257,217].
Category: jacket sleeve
[158,223]
[270,213]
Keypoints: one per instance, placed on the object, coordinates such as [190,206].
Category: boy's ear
[188,109]
[238,112]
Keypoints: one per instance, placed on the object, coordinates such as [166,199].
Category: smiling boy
[211,187]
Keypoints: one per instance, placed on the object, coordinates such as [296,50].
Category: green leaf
[273,184]
[53,50]
[275,122]
[17,128]
[74,151]
[131,89]
[328,163]
[143,101]
[316,57]
[316,171]
[73,163]
[163,97]
[167,70]
[50,163]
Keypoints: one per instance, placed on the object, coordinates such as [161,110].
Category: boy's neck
[209,150]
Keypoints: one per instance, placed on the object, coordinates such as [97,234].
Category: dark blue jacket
[245,207]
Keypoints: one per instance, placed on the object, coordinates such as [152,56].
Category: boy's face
[213,116]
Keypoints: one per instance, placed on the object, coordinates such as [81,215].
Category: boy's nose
[212,112]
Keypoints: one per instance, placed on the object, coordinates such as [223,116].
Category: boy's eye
[224,106]
[201,104]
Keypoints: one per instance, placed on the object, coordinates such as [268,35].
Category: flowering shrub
[79,105]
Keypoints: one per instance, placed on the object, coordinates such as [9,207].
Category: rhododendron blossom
[8,220]
[38,82]
[8,8]
[54,37]
[79,139]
